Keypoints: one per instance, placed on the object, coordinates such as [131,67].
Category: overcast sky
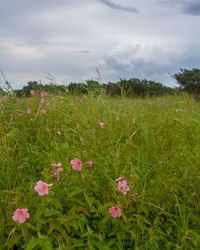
[122,38]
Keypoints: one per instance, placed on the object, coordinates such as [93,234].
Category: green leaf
[45,244]
[32,243]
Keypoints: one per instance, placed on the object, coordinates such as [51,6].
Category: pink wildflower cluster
[57,170]
[44,94]
[58,132]
[56,164]
[122,187]
[76,164]
[43,111]
[56,173]
[21,215]
[101,124]
[28,111]
[42,187]
[32,92]
[115,211]
[89,163]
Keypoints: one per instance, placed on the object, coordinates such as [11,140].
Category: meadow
[115,173]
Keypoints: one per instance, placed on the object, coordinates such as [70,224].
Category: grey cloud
[191,7]
[83,51]
[118,6]
[155,67]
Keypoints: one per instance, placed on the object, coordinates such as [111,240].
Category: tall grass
[158,154]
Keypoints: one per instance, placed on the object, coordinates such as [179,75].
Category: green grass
[162,148]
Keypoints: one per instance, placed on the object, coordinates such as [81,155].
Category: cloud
[191,7]
[118,6]
[83,51]
[152,63]
[69,39]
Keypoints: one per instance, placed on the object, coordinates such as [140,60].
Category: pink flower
[58,132]
[47,103]
[28,111]
[45,93]
[119,179]
[101,124]
[42,94]
[76,164]
[115,211]
[56,173]
[42,187]
[43,111]
[176,110]
[32,92]
[21,215]
[133,120]
[90,163]
[117,118]
[122,187]
[42,100]
[56,164]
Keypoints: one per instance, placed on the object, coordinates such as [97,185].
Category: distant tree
[189,80]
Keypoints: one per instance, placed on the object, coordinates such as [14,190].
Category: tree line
[188,80]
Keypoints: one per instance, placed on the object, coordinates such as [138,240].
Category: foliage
[158,154]
[189,80]
[131,87]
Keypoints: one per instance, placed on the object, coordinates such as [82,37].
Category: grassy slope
[162,148]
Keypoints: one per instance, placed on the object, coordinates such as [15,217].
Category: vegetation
[152,142]
[131,87]
[189,80]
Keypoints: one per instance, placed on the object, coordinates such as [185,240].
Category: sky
[73,40]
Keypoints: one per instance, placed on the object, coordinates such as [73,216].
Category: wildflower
[42,100]
[28,111]
[42,187]
[115,211]
[45,94]
[56,173]
[119,179]
[32,92]
[89,163]
[133,120]
[56,164]
[176,110]
[101,124]
[117,118]
[42,94]
[58,132]
[122,187]
[76,164]
[43,111]
[21,215]
[47,103]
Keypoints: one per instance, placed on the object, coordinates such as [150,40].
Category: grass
[162,149]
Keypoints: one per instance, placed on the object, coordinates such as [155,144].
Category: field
[154,143]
